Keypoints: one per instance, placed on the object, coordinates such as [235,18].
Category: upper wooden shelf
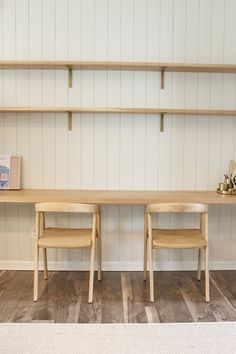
[116,65]
[180,111]
[113,197]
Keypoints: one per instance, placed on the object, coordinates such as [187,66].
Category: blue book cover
[5,163]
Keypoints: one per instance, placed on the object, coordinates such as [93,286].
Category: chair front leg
[207,285]
[145,249]
[145,258]
[151,271]
[91,275]
[99,246]
[36,269]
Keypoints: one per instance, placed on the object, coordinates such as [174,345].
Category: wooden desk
[114,197]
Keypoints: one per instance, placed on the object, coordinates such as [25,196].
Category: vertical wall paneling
[216,100]
[87,99]
[22,126]
[111,247]
[49,99]
[100,120]
[228,128]
[178,100]
[126,128]
[166,97]
[112,151]
[35,99]
[233,225]
[140,122]
[153,21]
[190,100]
[3,246]
[10,145]
[74,98]
[62,98]
[152,94]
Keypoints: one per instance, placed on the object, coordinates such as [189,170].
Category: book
[10,171]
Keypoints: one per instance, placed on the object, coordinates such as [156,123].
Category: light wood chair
[67,238]
[176,238]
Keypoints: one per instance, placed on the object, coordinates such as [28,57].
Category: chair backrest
[67,208]
[177,207]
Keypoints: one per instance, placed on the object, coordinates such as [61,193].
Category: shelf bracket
[162,122]
[163,77]
[69,120]
[70,77]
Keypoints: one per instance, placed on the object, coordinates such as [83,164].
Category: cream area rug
[118,338]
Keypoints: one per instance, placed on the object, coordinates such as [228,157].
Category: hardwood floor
[120,297]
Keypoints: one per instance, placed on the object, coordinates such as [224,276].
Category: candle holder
[229,185]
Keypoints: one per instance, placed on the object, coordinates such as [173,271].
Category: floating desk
[111,197]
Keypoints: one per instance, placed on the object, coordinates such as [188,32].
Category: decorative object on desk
[10,171]
[229,185]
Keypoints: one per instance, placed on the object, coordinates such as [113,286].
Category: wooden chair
[67,238]
[176,238]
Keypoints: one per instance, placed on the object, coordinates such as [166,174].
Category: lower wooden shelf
[159,111]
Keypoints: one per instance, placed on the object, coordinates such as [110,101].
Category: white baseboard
[115,266]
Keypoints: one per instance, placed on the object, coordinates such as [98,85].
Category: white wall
[118,151]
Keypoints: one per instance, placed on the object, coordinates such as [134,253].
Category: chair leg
[151,271]
[199,264]
[45,264]
[91,275]
[99,253]
[145,258]
[207,286]
[36,269]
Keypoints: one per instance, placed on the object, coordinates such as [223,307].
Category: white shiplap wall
[118,151]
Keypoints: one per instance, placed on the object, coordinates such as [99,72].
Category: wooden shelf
[105,65]
[113,197]
[160,111]
[116,65]
[181,111]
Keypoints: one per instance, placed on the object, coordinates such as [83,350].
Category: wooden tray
[232,192]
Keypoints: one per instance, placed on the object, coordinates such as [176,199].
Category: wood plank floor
[120,297]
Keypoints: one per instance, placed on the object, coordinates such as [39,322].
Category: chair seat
[178,238]
[65,238]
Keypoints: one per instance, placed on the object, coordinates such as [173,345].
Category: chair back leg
[45,264]
[99,259]
[207,286]
[199,264]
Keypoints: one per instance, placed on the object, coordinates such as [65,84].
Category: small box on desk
[10,171]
